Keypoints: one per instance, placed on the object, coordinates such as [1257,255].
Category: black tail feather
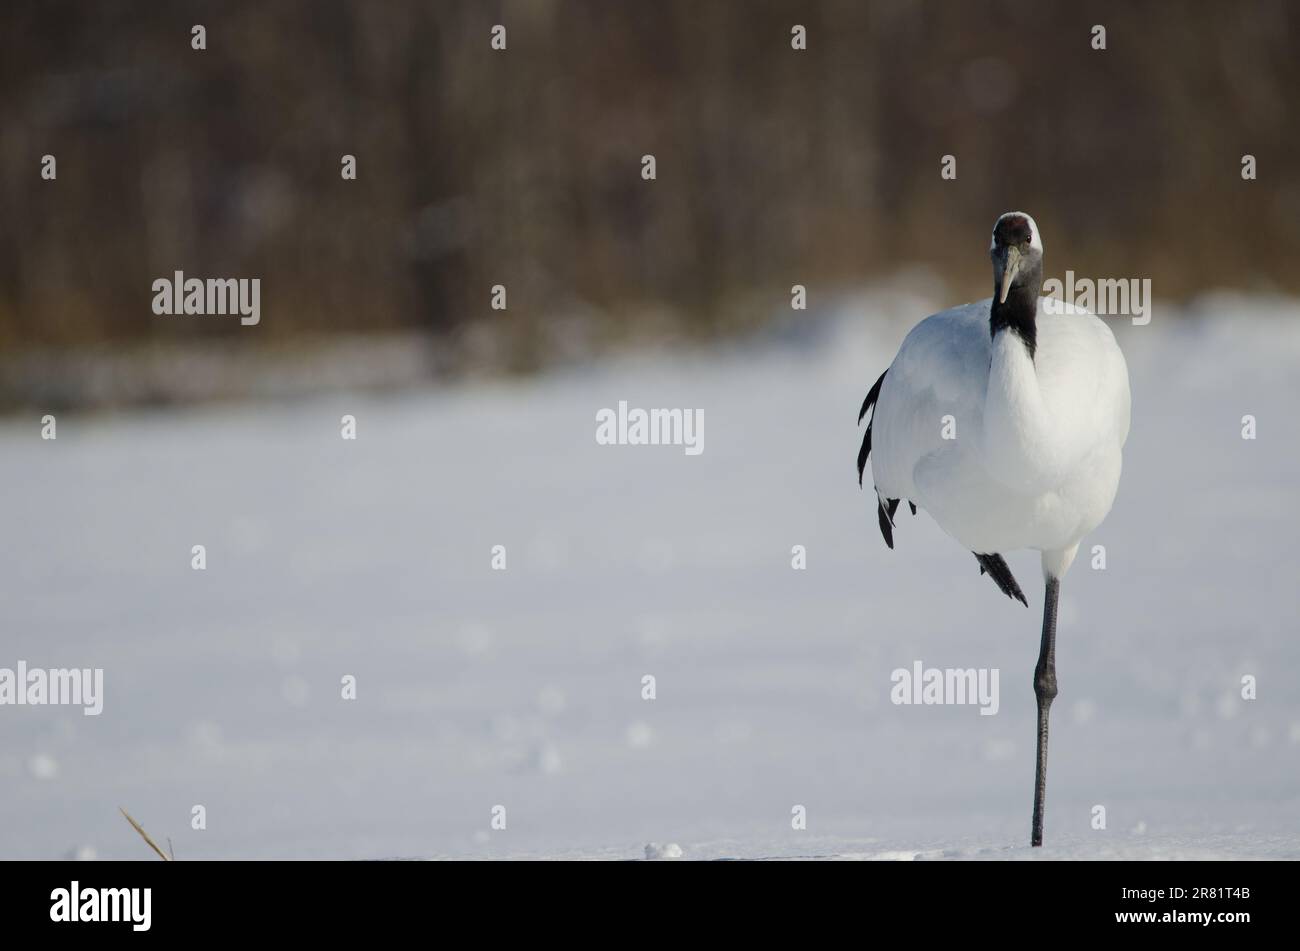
[996,567]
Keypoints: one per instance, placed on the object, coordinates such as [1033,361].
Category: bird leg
[1045,690]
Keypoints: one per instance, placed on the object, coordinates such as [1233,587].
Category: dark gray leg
[1045,690]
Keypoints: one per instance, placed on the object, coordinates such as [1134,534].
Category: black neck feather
[1020,311]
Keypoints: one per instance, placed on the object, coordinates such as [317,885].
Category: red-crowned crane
[1006,422]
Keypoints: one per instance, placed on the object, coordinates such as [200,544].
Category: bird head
[1017,253]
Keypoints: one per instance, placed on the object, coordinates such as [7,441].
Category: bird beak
[1009,274]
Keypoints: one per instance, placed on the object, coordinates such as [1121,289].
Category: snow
[523,687]
[670,851]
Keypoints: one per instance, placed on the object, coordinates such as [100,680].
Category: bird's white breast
[1034,455]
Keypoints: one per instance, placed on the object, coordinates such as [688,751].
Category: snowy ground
[522,688]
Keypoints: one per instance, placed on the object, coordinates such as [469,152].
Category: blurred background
[522,168]
[373,557]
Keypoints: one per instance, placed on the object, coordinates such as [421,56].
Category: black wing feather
[885,508]
[886,518]
[863,453]
[872,395]
[996,567]
[869,402]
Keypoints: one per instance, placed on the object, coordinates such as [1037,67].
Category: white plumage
[1035,458]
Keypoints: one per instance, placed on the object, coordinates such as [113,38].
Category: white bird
[1006,422]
